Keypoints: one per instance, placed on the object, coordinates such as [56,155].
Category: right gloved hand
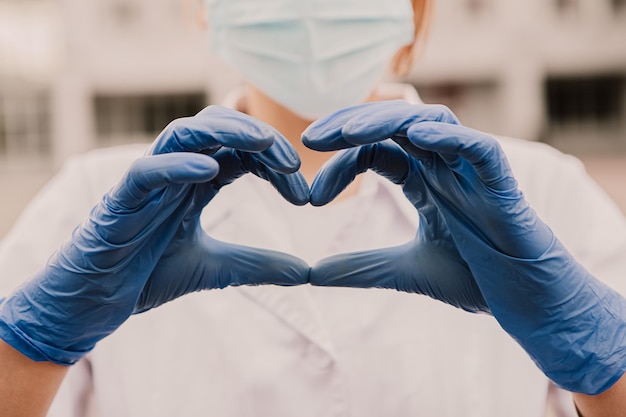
[479,246]
[143,245]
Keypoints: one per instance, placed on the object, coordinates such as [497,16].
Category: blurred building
[553,70]
[79,74]
[110,71]
[29,58]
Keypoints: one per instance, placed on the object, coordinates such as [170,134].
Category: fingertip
[318,199]
[300,198]
[337,174]
[325,270]
[206,168]
[308,139]
[425,127]
[334,271]
[308,134]
[249,135]
[266,135]
[316,276]
[203,161]
[291,162]
[434,136]
[290,270]
[293,187]
[357,133]
[246,265]
[325,134]
[323,190]
[441,113]
[326,142]
[281,164]
[303,271]
[300,202]
[239,130]
[280,156]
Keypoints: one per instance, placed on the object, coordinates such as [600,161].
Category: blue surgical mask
[311,56]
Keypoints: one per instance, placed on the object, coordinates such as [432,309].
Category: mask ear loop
[403,60]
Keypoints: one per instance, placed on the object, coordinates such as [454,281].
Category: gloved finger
[206,264]
[157,171]
[428,269]
[422,155]
[370,123]
[213,128]
[392,119]
[233,164]
[386,158]
[280,157]
[428,159]
[378,268]
[325,134]
[482,151]
[293,187]
[234,265]
[217,127]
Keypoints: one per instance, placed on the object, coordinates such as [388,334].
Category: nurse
[303,350]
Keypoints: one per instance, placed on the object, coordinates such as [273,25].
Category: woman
[300,350]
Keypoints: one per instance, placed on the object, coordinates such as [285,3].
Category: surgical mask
[311,56]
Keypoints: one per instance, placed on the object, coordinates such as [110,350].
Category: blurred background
[77,74]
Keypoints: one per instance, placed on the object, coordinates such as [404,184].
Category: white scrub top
[307,351]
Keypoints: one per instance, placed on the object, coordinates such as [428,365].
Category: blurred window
[24,121]
[130,118]
[618,5]
[477,7]
[585,100]
[474,102]
[566,6]
[125,13]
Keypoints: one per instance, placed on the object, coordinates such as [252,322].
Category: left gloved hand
[473,216]
[143,245]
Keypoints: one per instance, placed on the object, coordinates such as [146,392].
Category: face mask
[311,56]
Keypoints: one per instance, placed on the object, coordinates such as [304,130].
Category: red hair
[403,60]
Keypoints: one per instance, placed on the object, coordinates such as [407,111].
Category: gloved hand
[143,245]
[472,215]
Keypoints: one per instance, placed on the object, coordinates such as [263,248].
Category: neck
[260,106]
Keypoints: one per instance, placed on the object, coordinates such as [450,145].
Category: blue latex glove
[473,216]
[143,245]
